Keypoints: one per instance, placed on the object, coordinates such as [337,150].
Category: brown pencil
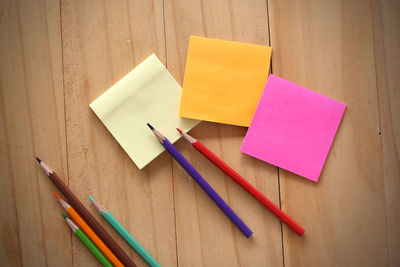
[90,220]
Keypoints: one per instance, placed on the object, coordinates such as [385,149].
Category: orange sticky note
[223,80]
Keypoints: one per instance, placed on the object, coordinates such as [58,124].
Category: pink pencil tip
[179,130]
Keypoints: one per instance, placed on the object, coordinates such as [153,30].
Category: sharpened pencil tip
[179,130]
[151,127]
[90,198]
[64,216]
[57,196]
[38,160]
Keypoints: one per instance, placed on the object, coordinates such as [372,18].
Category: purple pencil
[200,181]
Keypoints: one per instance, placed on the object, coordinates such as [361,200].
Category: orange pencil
[89,232]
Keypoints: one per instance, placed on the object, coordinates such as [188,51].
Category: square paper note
[293,128]
[148,93]
[223,80]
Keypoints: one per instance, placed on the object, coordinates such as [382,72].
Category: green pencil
[125,234]
[86,241]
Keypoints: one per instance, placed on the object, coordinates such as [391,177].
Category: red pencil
[243,183]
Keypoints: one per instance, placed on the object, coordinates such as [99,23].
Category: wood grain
[387,61]
[205,236]
[58,56]
[331,51]
[102,41]
[32,119]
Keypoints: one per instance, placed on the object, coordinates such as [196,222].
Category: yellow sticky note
[150,94]
[223,80]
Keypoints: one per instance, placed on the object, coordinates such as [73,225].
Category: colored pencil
[88,231]
[124,233]
[201,182]
[86,241]
[91,221]
[243,183]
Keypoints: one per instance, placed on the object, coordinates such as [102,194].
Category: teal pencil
[124,233]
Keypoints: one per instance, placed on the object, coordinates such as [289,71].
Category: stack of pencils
[107,251]
[91,233]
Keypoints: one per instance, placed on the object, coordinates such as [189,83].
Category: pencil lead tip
[90,198]
[179,130]
[151,127]
[56,195]
[38,160]
[64,216]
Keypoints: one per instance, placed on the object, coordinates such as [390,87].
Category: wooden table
[58,56]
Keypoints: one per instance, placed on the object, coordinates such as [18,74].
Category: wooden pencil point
[179,130]
[46,168]
[188,137]
[98,206]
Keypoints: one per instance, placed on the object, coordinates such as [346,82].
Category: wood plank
[343,213]
[32,118]
[328,47]
[387,60]
[102,41]
[205,236]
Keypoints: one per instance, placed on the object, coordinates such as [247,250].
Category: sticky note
[150,94]
[223,80]
[293,128]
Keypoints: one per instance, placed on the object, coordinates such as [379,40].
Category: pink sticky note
[293,128]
